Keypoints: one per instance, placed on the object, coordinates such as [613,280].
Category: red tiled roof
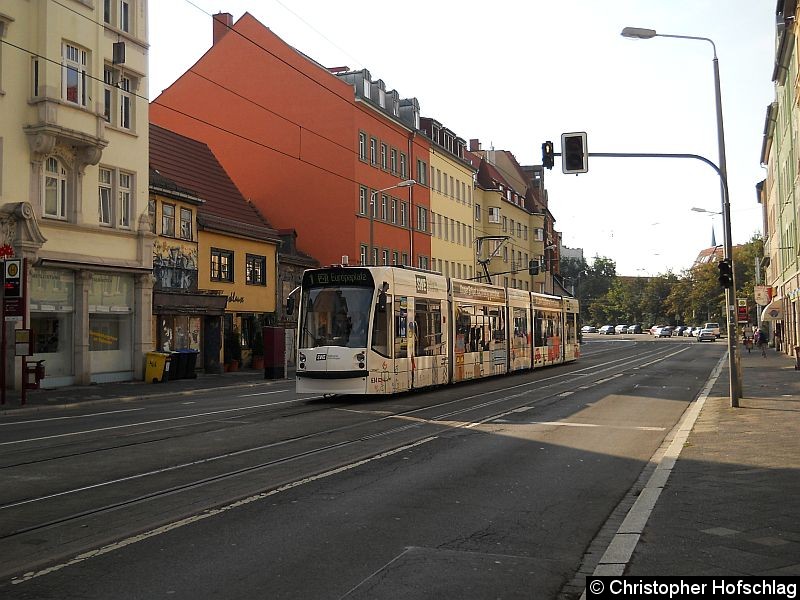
[193,166]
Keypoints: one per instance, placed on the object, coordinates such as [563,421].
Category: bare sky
[514,74]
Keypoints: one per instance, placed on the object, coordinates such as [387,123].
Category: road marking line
[211,513]
[153,422]
[623,545]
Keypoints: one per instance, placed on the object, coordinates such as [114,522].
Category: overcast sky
[514,74]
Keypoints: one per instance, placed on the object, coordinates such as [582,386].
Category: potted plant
[233,350]
[258,351]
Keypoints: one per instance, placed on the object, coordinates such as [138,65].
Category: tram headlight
[360,358]
[302,364]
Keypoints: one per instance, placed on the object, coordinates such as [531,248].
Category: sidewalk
[42,400]
[730,504]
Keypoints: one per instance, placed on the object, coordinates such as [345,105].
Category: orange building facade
[310,147]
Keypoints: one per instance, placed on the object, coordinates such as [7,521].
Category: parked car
[706,334]
[588,329]
[621,329]
[678,331]
[665,331]
[607,330]
[634,329]
[714,327]
[689,331]
[653,329]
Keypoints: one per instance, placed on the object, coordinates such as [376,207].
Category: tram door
[402,359]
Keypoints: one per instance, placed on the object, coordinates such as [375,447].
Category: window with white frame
[403,215]
[74,77]
[125,103]
[118,98]
[385,257]
[362,145]
[55,189]
[384,156]
[362,200]
[422,172]
[494,214]
[186,224]
[105,196]
[477,212]
[373,151]
[168,220]
[403,165]
[363,254]
[393,160]
[394,210]
[422,218]
[124,195]
[118,13]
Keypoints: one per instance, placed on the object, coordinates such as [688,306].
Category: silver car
[706,335]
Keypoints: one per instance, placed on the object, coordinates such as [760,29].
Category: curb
[72,404]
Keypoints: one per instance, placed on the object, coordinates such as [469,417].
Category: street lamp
[733,356]
[372,254]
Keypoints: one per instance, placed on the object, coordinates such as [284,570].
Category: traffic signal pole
[734,363]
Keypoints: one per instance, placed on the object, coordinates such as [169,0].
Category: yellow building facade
[451,187]
[73,183]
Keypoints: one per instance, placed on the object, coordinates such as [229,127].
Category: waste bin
[175,366]
[157,366]
[188,363]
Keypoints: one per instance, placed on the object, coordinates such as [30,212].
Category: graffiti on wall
[175,266]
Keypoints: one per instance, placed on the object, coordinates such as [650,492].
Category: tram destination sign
[474,291]
[338,277]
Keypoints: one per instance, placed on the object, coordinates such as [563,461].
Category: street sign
[741,310]
[763,294]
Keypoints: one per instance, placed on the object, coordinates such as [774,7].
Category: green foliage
[690,298]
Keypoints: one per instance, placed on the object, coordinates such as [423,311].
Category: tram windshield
[335,316]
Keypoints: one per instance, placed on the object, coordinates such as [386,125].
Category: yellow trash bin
[156,367]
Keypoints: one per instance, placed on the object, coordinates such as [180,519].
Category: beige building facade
[74,183]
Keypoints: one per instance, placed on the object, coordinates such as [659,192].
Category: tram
[386,330]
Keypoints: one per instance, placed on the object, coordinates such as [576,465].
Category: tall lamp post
[372,254]
[733,357]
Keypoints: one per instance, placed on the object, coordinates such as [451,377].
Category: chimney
[474,145]
[222,23]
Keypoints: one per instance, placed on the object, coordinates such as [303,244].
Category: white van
[714,327]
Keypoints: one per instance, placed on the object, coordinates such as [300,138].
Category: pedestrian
[777,337]
[761,342]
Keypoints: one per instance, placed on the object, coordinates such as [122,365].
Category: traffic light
[574,155]
[533,267]
[547,155]
[13,278]
[725,273]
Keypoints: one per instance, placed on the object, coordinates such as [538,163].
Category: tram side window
[428,317]
[464,318]
[539,327]
[498,325]
[382,328]
[520,326]
[400,327]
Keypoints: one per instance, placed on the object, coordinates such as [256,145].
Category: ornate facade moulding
[79,148]
[20,229]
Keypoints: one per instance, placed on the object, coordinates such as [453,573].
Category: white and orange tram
[385,330]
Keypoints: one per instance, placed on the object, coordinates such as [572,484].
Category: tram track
[71,514]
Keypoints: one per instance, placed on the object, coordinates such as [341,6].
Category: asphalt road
[493,489]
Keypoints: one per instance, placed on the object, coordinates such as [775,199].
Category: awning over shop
[773,311]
